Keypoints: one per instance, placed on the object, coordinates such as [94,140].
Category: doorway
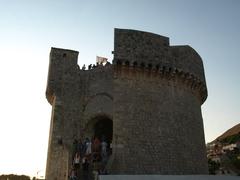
[103,129]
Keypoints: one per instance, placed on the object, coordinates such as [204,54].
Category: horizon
[30,28]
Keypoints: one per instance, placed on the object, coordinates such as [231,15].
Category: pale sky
[29,28]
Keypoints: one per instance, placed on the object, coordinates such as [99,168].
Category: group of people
[87,153]
[93,66]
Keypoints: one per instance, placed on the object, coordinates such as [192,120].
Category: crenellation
[189,79]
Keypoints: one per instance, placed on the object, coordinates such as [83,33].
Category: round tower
[158,91]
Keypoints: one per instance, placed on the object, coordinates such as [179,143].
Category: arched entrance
[100,126]
[103,129]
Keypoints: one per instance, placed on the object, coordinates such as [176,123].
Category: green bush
[231,139]
[213,166]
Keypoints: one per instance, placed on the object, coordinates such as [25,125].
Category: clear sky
[28,29]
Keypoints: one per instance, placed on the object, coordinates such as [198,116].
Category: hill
[14,177]
[231,134]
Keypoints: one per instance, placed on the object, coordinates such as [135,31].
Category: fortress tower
[147,104]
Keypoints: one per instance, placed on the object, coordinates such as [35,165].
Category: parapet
[132,45]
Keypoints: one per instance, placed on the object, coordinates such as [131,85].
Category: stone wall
[159,121]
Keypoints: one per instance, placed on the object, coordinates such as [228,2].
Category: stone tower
[147,104]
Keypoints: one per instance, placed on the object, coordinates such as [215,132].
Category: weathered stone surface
[152,94]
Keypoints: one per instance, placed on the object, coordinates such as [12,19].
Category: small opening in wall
[60,141]
[64,55]
[157,67]
[127,63]
[149,66]
[142,65]
[135,64]
[119,62]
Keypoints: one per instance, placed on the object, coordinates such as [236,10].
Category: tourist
[74,151]
[85,163]
[104,147]
[85,168]
[80,147]
[72,175]
[89,66]
[104,155]
[84,67]
[96,149]
[108,63]
[88,147]
[85,146]
[96,145]
[102,170]
[76,161]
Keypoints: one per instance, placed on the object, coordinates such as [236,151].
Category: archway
[103,129]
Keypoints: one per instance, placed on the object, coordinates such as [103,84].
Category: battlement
[63,51]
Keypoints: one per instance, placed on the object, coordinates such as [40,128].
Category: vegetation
[14,177]
[231,139]
[213,166]
[235,160]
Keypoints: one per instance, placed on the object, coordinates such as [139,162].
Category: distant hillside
[14,177]
[232,134]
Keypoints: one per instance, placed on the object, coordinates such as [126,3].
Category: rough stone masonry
[147,103]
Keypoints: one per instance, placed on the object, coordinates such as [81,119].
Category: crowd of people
[87,153]
[93,66]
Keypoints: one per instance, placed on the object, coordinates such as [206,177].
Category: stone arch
[99,106]
[95,95]
[100,126]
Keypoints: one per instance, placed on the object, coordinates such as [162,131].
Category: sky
[29,28]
